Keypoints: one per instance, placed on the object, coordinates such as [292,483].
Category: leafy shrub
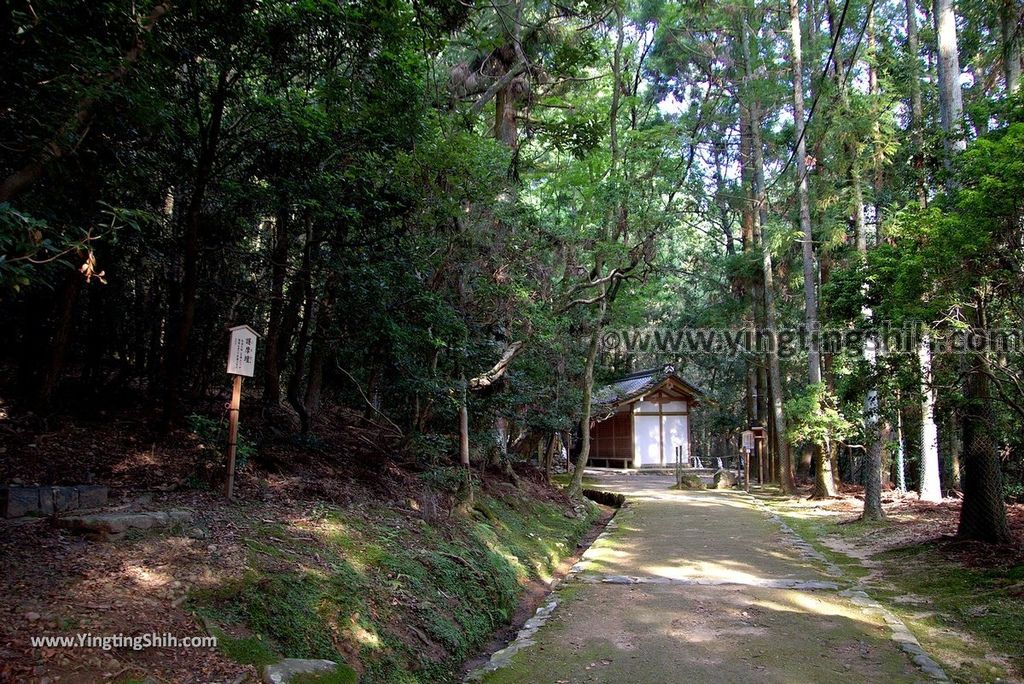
[432,448]
[213,436]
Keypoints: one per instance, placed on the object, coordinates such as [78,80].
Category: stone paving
[705,586]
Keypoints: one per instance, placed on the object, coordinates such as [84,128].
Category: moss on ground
[970,619]
[343,674]
[404,600]
[245,650]
[563,480]
[985,604]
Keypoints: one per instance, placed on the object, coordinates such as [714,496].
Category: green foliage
[213,437]
[434,449]
[450,480]
[813,417]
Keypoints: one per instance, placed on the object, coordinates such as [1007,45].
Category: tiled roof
[635,385]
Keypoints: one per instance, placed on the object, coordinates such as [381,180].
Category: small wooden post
[236,399]
[746,469]
[761,467]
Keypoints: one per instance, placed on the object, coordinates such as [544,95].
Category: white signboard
[242,351]
[748,440]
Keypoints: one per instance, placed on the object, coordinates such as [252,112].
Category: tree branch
[517,68]
[23,178]
[493,375]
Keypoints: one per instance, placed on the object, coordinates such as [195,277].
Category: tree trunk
[877,152]
[315,384]
[464,442]
[817,461]
[191,246]
[785,461]
[549,456]
[930,488]
[873,446]
[754,396]
[901,465]
[65,299]
[872,433]
[278,273]
[916,106]
[610,228]
[576,485]
[320,350]
[956,450]
[308,312]
[951,105]
[464,426]
[983,514]
[1010,19]
[872,436]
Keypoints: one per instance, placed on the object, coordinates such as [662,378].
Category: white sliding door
[674,430]
[646,440]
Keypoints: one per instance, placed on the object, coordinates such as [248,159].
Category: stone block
[17,501]
[64,499]
[725,479]
[92,496]
[302,669]
[46,500]
[112,525]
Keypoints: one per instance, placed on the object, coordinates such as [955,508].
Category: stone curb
[113,526]
[906,640]
[18,500]
[794,539]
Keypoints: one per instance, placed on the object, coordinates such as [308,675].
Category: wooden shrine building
[639,421]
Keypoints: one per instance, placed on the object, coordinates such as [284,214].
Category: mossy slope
[397,597]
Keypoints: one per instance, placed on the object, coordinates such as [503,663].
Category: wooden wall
[613,438]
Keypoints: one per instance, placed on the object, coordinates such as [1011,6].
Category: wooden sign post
[748,446]
[241,363]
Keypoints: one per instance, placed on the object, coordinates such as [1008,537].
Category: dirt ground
[911,521]
[55,582]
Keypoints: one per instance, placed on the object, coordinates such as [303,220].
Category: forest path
[700,586]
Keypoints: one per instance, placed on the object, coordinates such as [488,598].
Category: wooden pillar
[236,399]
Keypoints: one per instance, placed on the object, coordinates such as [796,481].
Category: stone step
[112,526]
[294,670]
